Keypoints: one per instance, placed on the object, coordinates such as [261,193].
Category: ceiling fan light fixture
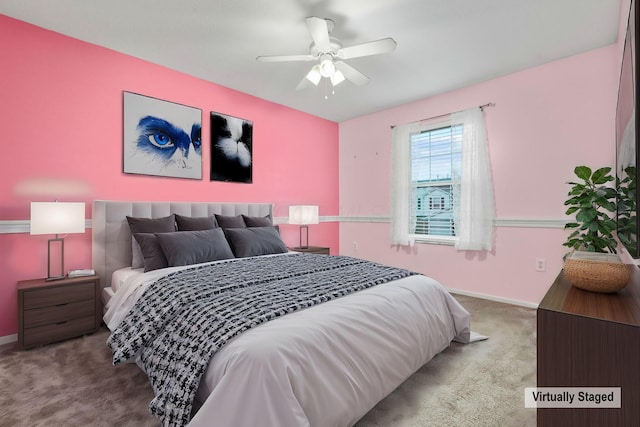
[327,67]
[314,76]
[337,78]
[329,56]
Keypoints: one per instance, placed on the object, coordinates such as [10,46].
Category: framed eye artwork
[161,138]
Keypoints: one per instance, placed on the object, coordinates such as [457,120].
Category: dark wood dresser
[588,339]
[57,310]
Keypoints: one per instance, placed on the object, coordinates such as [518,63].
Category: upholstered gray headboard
[111,238]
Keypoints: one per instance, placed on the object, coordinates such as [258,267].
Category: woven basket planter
[596,272]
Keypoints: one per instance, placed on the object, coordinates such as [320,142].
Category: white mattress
[327,365]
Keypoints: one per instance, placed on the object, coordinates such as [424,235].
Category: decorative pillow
[255,241]
[225,221]
[147,225]
[187,223]
[152,254]
[194,247]
[257,221]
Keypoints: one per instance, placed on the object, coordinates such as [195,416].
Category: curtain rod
[488,104]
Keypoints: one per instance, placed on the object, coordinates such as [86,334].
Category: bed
[324,364]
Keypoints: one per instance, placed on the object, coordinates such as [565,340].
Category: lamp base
[60,274]
[306,245]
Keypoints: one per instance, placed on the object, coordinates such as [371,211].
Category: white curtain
[474,210]
[403,218]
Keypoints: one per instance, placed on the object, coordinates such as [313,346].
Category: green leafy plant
[591,201]
[626,204]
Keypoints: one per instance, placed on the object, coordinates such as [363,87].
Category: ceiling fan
[329,54]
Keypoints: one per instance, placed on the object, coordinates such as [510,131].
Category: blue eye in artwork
[161,137]
[160,140]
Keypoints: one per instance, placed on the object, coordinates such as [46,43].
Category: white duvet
[327,365]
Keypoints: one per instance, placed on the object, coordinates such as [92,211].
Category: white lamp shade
[303,215]
[57,218]
[337,78]
[314,75]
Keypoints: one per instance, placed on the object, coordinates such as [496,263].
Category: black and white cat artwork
[231,149]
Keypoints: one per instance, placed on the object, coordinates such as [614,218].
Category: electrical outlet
[541,264]
[355,246]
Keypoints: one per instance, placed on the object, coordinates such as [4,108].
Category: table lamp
[56,218]
[303,216]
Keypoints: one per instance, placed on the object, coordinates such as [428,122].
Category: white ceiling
[442,44]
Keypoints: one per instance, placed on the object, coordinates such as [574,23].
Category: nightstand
[312,250]
[50,311]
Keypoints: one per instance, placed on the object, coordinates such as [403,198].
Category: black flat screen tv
[628,140]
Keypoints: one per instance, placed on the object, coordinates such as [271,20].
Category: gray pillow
[152,254]
[257,221]
[225,221]
[254,241]
[187,223]
[147,225]
[194,247]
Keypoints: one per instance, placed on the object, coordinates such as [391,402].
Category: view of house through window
[435,157]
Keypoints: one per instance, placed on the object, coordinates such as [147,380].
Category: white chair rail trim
[499,222]
[23,225]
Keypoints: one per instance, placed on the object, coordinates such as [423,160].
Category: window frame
[431,238]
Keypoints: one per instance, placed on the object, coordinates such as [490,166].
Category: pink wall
[61,115]
[546,121]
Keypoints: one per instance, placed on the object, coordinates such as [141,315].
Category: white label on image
[572,397]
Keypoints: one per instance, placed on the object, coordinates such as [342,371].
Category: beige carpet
[481,384]
[471,385]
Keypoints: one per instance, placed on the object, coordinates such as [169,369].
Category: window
[441,188]
[435,156]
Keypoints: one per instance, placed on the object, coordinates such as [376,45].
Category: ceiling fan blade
[352,74]
[365,49]
[319,33]
[285,58]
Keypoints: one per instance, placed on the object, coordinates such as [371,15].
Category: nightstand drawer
[59,331]
[58,295]
[59,313]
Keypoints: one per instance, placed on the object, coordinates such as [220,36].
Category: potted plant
[626,207]
[593,264]
[591,200]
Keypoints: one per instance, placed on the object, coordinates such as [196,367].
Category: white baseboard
[493,298]
[8,339]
